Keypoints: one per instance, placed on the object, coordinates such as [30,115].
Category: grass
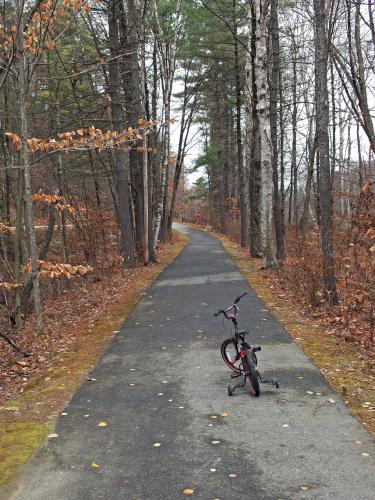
[26,421]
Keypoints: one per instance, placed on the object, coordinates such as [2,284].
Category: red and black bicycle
[241,356]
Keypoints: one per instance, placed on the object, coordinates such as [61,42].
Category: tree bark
[253,143]
[25,162]
[120,153]
[135,111]
[240,167]
[167,58]
[322,123]
[274,90]
[263,112]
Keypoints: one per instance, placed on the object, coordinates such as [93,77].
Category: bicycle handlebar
[240,297]
[222,311]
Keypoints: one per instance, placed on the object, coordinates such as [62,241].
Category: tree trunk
[135,111]
[310,174]
[322,111]
[253,142]
[18,247]
[167,58]
[120,154]
[274,88]
[25,162]
[294,168]
[145,169]
[241,177]
[263,111]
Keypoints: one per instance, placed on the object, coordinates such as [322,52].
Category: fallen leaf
[224,414]
[102,424]
[232,476]
[157,445]
[365,455]
[358,442]
[304,487]
[54,435]
[188,491]
[95,465]
[215,442]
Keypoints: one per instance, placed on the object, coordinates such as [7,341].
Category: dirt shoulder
[40,394]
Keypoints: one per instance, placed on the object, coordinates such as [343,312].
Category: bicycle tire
[226,355]
[251,372]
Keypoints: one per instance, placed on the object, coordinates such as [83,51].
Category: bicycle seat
[243,332]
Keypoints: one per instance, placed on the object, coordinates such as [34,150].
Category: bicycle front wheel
[251,372]
[230,355]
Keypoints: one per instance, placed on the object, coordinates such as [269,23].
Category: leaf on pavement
[95,466]
[102,424]
[188,491]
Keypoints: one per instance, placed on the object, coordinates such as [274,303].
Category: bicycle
[241,356]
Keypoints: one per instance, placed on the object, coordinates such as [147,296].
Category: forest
[118,117]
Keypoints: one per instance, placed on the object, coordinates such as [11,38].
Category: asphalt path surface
[162,381]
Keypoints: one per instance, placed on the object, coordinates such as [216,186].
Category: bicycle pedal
[235,375]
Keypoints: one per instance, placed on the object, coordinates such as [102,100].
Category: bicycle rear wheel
[251,372]
[230,355]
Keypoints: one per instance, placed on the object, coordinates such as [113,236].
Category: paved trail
[162,380]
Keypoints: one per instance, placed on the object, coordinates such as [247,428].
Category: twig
[26,354]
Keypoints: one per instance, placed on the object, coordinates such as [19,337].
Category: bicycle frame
[248,366]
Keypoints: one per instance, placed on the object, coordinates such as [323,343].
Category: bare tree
[322,137]
[264,124]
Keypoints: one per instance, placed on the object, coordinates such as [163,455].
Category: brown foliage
[354,240]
